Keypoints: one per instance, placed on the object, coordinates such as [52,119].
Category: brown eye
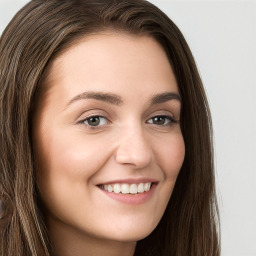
[95,121]
[162,120]
[159,120]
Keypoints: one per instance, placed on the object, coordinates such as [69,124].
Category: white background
[222,36]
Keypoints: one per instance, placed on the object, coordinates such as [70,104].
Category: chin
[132,233]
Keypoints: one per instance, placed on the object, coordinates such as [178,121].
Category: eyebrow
[101,96]
[164,97]
[117,100]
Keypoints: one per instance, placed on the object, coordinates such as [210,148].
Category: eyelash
[170,120]
[91,117]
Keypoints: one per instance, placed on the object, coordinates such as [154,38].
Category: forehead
[112,61]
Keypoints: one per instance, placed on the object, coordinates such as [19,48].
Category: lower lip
[135,199]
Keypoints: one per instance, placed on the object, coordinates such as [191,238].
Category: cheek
[66,162]
[73,155]
[170,154]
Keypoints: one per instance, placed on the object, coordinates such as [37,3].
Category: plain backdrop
[222,36]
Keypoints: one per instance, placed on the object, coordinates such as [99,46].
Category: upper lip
[130,181]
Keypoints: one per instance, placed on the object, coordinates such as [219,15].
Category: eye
[95,121]
[162,120]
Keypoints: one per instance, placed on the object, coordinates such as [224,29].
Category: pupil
[159,120]
[94,121]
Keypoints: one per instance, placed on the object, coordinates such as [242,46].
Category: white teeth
[127,188]
[133,189]
[147,186]
[117,188]
[141,188]
[110,189]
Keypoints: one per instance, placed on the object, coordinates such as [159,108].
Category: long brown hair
[37,34]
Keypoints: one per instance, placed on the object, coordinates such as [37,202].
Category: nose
[134,149]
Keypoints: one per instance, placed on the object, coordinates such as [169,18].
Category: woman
[105,134]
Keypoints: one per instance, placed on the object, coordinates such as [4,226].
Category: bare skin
[108,119]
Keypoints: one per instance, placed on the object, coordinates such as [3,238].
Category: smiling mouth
[125,188]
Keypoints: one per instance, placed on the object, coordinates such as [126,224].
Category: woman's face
[107,138]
